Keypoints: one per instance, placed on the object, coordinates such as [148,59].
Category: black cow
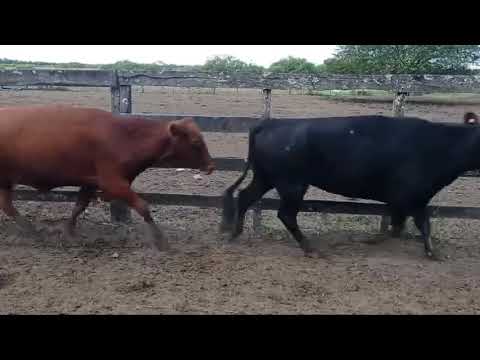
[402,162]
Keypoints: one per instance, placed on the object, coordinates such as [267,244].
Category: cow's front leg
[120,189]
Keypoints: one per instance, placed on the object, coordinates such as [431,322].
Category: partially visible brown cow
[53,146]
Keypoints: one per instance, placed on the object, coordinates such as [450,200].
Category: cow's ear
[177,129]
[470,118]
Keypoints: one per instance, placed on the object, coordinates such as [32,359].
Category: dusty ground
[109,269]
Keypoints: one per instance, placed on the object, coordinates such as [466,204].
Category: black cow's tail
[229,208]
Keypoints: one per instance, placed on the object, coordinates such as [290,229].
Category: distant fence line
[104,78]
[120,83]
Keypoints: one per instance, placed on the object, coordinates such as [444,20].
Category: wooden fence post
[399,104]
[398,110]
[121,103]
[257,209]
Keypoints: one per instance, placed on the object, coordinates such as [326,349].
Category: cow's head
[470,118]
[188,146]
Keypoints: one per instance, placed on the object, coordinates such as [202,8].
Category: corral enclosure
[263,273]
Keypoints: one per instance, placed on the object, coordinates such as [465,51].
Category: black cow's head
[470,118]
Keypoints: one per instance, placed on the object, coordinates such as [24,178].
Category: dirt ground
[108,269]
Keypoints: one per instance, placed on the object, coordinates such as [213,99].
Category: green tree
[127,65]
[295,65]
[403,59]
[230,64]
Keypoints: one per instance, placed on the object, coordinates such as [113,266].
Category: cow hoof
[396,234]
[159,240]
[234,237]
[376,239]
[434,255]
[161,245]
[314,254]
[69,238]
[69,232]
[225,228]
[158,255]
[172,251]
[223,237]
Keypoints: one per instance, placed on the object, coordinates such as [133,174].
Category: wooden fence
[120,84]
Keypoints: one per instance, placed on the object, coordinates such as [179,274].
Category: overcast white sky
[171,54]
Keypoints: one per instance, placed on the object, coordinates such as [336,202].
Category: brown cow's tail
[229,208]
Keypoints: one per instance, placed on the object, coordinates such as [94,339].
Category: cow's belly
[45,179]
[366,186]
[353,191]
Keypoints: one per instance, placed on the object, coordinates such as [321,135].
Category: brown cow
[53,146]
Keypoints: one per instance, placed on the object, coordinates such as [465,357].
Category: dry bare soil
[110,270]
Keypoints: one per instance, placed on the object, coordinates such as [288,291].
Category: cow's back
[329,142]
[29,121]
[362,157]
[372,143]
[39,142]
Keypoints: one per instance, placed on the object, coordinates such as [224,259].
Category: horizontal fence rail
[210,201]
[236,164]
[106,78]
[225,124]
[74,78]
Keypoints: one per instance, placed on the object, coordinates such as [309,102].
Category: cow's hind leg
[6,204]
[246,198]
[291,201]
[120,189]
[85,195]
[422,221]
[398,219]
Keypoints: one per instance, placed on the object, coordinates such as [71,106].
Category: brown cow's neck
[148,143]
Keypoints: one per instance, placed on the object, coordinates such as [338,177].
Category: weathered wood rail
[105,78]
[120,83]
[215,201]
